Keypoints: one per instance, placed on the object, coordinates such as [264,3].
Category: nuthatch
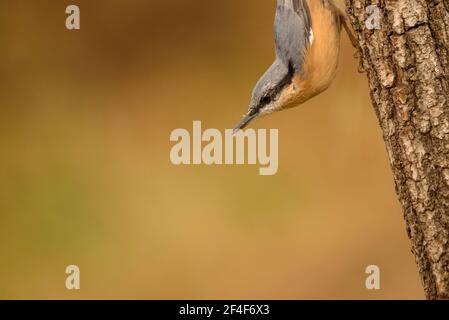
[307,43]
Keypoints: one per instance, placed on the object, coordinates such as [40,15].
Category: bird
[307,44]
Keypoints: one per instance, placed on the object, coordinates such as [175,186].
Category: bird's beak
[250,116]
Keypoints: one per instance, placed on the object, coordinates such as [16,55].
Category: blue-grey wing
[292,29]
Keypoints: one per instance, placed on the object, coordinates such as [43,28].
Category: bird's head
[273,92]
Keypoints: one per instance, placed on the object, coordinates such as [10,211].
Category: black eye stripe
[265,100]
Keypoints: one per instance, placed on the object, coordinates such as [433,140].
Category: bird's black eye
[265,100]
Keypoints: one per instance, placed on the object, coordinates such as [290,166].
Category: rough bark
[407,64]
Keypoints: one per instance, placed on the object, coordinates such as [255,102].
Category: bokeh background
[85,119]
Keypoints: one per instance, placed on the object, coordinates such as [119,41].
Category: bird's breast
[321,59]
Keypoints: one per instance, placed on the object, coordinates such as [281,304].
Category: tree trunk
[407,63]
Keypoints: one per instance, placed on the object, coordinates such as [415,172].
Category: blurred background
[86,179]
